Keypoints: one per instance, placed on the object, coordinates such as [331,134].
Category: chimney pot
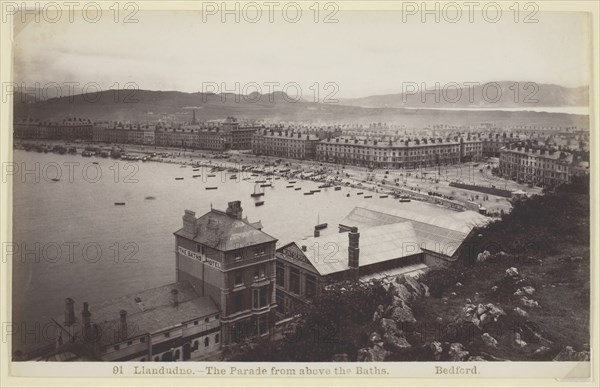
[353,251]
[69,312]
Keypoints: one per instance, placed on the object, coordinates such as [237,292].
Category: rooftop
[218,230]
[329,254]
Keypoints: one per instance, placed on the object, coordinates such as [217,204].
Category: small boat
[404,199]
[316,191]
[233,177]
[178,179]
[289,186]
[150,197]
[338,188]
[320,225]
[196,176]
[292,182]
[266,185]
[347,195]
[196,169]
[260,182]
[257,193]
[359,193]
[182,166]
[298,188]
[324,186]
[383,196]
[55,179]
[212,188]
[119,203]
[368,196]
[259,203]
[94,162]
[277,178]
[211,175]
[309,193]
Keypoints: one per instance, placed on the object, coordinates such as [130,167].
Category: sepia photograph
[299,189]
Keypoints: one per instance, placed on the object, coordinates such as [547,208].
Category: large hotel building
[399,154]
[542,166]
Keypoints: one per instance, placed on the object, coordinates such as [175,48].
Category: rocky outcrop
[482,315]
[489,340]
[457,352]
[569,354]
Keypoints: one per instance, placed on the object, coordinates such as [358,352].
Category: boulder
[403,314]
[529,302]
[397,343]
[520,312]
[489,340]
[480,309]
[411,284]
[425,288]
[458,284]
[494,311]
[375,337]
[483,256]
[569,354]
[519,341]
[437,349]
[541,351]
[512,272]
[494,288]
[528,290]
[457,352]
[485,319]
[401,292]
[389,326]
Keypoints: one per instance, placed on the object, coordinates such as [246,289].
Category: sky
[364,53]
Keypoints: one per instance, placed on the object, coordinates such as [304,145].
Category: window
[117,347]
[295,280]
[238,302]
[280,274]
[259,271]
[167,334]
[217,338]
[129,342]
[143,339]
[206,319]
[280,303]
[260,297]
[195,323]
[206,341]
[310,286]
[238,279]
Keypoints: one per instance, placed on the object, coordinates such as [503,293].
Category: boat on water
[404,199]
[150,197]
[196,176]
[368,196]
[324,186]
[383,196]
[196,169]
[259,203]
[119,203]
[94,162]
[316,191]
[320,225]
[347,195]
[266,185]
[178,179]
[233,177]
[259,181]
[211,175]
[361,193]
[212,188]
[309,193]
[291,182]
[298,188]
[55,179]
[289,186]
[338,188]
[87,153]
[257,193]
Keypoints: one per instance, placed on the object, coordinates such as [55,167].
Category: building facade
[285,144]
[545,167]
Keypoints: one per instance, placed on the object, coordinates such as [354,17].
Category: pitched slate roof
[218,230]
[437,233]
[329,254]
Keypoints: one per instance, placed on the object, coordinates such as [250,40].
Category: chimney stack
[317,232]
[189,222]
[123,325]
[353,252]
[234,209]
[174,297]
[69,312]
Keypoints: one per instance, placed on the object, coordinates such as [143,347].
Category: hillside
[508,95]
[146,105]
[524,296]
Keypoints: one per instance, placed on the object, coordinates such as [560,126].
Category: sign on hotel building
[232,261]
